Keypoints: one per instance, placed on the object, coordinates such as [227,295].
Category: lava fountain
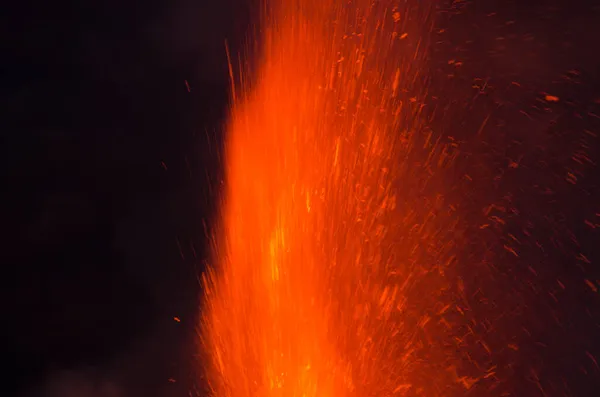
[333,258]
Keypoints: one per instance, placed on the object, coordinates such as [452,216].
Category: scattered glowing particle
[403,387]
[583,258]
[532,270]
[551,98]
[591,285]
[177,319]
[396,82]
[467,382]
[511,250]
[591,356]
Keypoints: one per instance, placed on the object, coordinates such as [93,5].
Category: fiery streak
[337,241]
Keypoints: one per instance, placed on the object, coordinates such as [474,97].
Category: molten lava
[336,241]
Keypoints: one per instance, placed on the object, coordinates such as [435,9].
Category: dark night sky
[107,160]
[110,164]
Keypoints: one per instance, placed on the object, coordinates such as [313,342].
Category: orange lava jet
[336,243]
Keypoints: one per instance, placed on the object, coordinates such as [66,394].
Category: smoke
[83,383]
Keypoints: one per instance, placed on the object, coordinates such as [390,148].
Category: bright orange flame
[336,240]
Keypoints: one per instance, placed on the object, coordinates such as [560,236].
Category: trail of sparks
[335,253]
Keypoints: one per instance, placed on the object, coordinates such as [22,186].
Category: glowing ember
[334,259]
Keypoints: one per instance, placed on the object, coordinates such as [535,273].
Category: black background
[111,166]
